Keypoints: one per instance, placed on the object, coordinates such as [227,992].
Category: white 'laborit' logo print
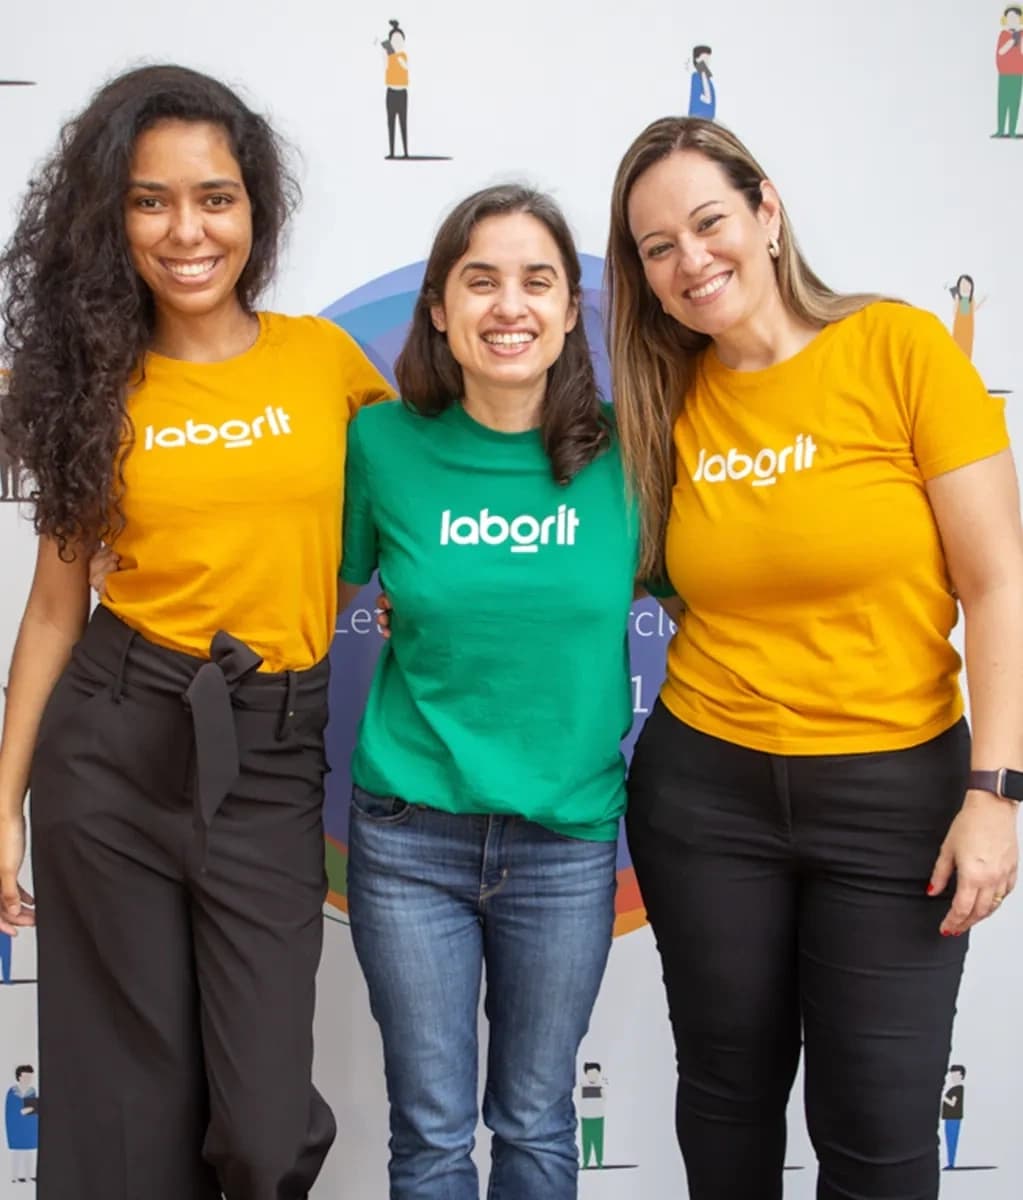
[525,533]
[765,465]
[272,422]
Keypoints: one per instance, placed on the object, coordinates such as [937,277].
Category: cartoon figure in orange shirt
[396,78]
[966,306]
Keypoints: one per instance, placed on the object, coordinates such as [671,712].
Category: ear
[769,212]
[438,318]
[572,316]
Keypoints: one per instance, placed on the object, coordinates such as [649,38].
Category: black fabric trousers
[397,112]
[788,899]
[177,849]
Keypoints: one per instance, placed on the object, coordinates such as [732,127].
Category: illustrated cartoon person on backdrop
[952,1112]
[396,79]
[592,1108]
[966,305]
[21,1116]
[1009,64]
[702,93]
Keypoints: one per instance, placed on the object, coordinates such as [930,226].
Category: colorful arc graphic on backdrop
[377,316]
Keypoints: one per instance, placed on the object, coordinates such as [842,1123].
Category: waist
[115,651]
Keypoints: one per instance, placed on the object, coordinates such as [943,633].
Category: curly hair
[572,422]
[78,318]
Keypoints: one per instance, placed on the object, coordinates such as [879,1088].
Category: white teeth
[708,289]
[508,339]
[190,269]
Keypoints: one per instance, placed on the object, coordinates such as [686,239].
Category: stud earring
[773,248]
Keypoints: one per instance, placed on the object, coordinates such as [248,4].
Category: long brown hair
[653,357]
[572,422]
[76,315]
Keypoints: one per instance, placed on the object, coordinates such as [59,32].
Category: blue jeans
[433,897]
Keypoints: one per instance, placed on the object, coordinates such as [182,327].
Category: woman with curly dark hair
[489,780]
[174,743]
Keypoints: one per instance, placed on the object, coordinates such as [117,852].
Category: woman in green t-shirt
[489,779]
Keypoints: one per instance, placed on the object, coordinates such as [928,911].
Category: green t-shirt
[504,687]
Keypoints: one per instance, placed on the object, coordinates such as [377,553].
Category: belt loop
[288,708]
[117,691]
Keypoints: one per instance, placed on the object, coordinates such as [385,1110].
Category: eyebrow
[207,185]
[530,268]
[657,232]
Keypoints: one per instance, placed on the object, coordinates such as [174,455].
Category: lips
[518,338]
[707,291]
[190,270]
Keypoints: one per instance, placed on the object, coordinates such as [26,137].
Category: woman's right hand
[102,564]
[17,907]
[383,615]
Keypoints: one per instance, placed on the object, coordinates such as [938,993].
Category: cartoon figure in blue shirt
[703,100]
[21,1114]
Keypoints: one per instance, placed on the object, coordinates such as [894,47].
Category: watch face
[1013,786]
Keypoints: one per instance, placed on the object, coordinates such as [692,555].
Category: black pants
[397,111]
[179,872]
[788,896]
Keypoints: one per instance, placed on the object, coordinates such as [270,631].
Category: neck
[205,337]
[507,411]
[770,336]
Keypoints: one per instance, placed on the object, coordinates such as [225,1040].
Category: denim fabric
[433,899]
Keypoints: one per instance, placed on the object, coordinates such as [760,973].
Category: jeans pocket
[382,810]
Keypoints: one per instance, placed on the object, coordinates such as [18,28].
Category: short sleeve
[363,383]
[360,540]
[953,420]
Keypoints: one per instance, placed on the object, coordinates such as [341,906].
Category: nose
[510,302]
[187,225]
[693,254]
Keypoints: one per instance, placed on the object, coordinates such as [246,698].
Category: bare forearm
[346,593]
[994,667]
[40,654]
[57,609]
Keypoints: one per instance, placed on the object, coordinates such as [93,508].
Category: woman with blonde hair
[822,478]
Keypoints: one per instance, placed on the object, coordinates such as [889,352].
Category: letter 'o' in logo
[377,316]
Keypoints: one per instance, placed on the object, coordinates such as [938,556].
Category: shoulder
[311,334]
[383,423]
[889,323]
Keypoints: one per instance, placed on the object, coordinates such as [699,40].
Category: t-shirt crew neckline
[220,363]
[484,432]
[734,377]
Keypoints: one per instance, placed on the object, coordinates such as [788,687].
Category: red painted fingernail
[930,889]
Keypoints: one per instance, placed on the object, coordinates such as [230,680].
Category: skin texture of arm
[978,516]
[55,616]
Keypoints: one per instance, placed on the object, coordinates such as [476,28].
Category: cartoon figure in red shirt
[1009,62]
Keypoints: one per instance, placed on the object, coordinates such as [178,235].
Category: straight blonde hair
[653,357]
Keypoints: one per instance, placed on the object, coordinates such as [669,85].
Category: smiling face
[507,306]
[703,249]
[187,218]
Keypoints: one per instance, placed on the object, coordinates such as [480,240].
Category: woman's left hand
[981,847]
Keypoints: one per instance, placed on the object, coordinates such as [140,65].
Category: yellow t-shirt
[233,492]
[803,544]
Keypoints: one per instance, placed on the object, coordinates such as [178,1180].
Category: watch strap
[1003,782]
